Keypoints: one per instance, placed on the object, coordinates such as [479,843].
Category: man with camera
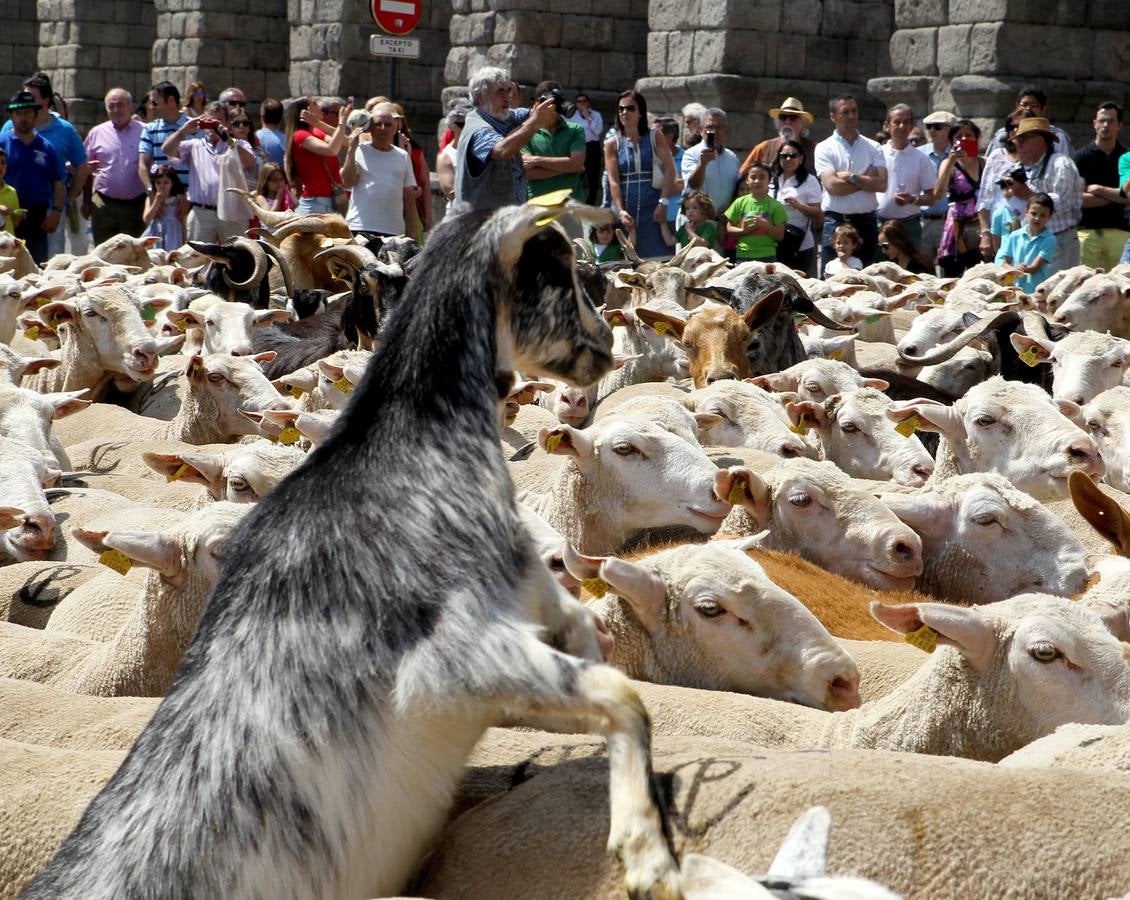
[203,157]
[555,156]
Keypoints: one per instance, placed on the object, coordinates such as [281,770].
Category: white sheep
[747,416]
[243,474]
[26,416]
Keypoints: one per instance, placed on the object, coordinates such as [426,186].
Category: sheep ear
[808,410]
[776,381]
[661,323]
[57,312]
[706,421]
[303,379]
[67,402]
[972,633]
[265,357]
[1104,513]
[36,363]
[168,344]
[877,383]
[930,416]
[1115,616]
[10,517]
[643,589]
[1038,350]
[615,317]
[199,468]
[924,512]
[144,548]
[703,878]
[185,316]
[755,499]
[565,440]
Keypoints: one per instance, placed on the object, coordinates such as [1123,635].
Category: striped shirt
[155,134]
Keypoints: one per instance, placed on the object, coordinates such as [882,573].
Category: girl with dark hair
[898,246]
[629,161]
[959,178]
[195,99]
[794,186]
[166,208]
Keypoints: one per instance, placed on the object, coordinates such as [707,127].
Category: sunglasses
[236,102]
[936,126]
[241,123]
[152,102]
[788,116]
[788,156]
[884,245]
[631,108]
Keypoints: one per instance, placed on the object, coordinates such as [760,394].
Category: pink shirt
[116,152]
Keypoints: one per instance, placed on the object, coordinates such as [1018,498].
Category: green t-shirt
[566,140]
[610,253]
[756,246]
[9,199]
[708,231]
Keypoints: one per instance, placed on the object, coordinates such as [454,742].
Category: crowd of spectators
[931,195]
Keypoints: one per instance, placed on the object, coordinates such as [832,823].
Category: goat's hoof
[651,873]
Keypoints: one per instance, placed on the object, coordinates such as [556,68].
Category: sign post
[396,18]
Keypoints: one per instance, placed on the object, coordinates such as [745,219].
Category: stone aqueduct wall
[744,55]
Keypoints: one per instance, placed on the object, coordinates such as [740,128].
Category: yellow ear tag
[290,435]
[41,301]
[177,474]
[737,493]
[116,560]
[907,427]
[617,318]
[343,384]
[925,639]
[836,354]
[799,428]
[181,324]
[1030,356]
[598,587]
[32,332]
[552,199]
[871,320]
[661,328]
[294,390]
[552,441]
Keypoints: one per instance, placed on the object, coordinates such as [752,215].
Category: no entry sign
[397,17]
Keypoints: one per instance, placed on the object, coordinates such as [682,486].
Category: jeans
[316,205]
[864,223]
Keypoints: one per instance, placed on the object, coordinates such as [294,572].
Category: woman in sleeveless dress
[959,178]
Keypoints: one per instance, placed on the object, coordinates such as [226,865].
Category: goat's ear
[1032,350]
[642,588]
[144,548]
[196,468]
[1104,513]
[662,323]
[776,381]
[65,403]
[759,315]
[965,628]
[616,317]
[619,360]
[565,440]
[713,292]
[265,317]
[633,279]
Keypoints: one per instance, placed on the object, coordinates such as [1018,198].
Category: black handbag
[789,245]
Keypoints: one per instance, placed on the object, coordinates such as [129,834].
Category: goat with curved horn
[259,267]
[946,351]
[272,251]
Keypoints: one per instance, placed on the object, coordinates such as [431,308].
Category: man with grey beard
[793,122]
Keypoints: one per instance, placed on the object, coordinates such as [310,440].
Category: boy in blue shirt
[1031,248]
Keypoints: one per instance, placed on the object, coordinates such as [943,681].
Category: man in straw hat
[1055,175]
[793,122]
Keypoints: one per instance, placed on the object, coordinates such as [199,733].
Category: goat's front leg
[569,625]
[560,691]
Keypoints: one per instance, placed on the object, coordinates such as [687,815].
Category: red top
[312,168]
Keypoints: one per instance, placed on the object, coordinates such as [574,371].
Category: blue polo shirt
[1021,247]
[272,143]
[32,169]
[61,135]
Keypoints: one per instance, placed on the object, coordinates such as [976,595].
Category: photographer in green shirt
[555,156]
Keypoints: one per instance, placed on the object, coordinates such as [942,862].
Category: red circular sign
[397,17]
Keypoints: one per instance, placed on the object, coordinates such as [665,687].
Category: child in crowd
[272,192]
[700,229]
[10,212]
[845,241]
[166,208]
[1007,214]
[756,219]
[1031,248]
[603,243]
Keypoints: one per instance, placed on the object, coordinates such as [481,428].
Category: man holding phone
[711,167]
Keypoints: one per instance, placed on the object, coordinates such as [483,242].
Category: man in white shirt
[593,124]
[711,166]
[381,179]
[910,175]
[852,171]
[934,216]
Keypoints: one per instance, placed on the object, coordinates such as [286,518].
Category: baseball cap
[23,100]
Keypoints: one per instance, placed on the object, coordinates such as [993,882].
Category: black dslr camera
[563,106]
[1018,174]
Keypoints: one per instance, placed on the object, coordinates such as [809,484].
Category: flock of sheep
[853,604]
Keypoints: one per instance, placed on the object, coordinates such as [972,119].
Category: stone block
[618,70]
[160,55]
[866,59]
[1111,60]
[556,62]
[1096,92]
[914,51]
[524,27]
[710,53]
[754,15]
[852,19]
[971,11]
[586,32]
[629,36]
[674,15]
[476,29]
[953,49]
[980,96]
[828,54]
[802,17]
[584,69]
[140,36]
[619,9]
[914,91]
[125,11]
[524,62]
[657,53]
[680,53]
[920,13]
[1009,49]
[578,7]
